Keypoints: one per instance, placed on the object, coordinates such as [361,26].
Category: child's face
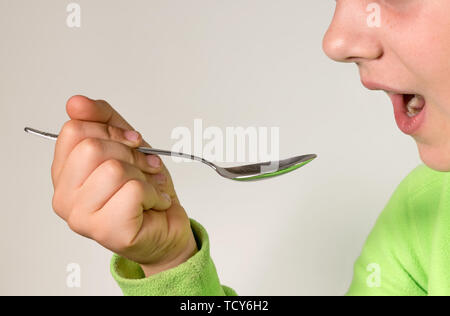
[407,55]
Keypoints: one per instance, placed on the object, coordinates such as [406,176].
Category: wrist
[190,250]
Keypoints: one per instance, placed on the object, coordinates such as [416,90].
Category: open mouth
[414,104]
[409,111]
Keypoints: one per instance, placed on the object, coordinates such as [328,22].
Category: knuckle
[114,169]
[74,222]
[71,129]
[138,188]
[90,148]
[141,191]
[79,224]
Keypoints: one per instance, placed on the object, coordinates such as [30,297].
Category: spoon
[253,172]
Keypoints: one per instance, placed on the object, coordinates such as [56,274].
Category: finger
[82,108]
[85,158]
[92,152]
[164,183]
[159,180]
[122,217]
[122,209]
[74,131]
[100,187]
[148,196]
[85,109]
[104,182]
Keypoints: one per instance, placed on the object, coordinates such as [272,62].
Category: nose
[350,37]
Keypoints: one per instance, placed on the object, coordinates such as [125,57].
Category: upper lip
[372,85]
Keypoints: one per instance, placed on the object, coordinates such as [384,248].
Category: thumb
[83,108]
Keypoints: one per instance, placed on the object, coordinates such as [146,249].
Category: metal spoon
[253,172]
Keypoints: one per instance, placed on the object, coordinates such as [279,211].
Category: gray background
[231,63]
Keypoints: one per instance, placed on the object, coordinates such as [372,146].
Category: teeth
[415,105]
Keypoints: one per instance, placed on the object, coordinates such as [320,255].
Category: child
[126,201]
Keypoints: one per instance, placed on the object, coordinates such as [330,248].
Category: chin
[437,158]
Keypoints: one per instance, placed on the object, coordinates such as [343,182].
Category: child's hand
[110,192]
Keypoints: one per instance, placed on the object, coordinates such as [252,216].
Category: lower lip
[408,125]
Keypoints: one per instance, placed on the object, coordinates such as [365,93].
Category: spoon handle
[154,151]
[144,150]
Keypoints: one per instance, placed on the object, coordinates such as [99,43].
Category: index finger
[85,109]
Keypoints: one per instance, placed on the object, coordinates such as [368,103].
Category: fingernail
[131,135]
[153,161]
[166,196]
[160,178]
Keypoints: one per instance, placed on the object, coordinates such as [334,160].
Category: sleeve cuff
[195,277]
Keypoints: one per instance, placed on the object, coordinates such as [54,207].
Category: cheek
[421,41]
[434,55]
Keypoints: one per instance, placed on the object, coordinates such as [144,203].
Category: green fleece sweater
[407,252]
